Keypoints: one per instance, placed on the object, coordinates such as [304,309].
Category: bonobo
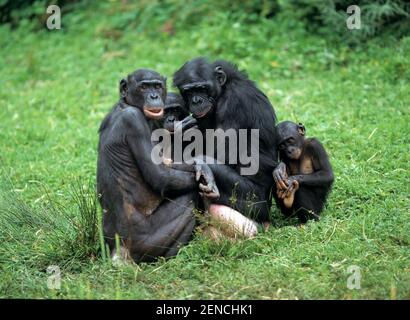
[149,206]
[221,97]
[304,177]
[176,117]
[174,111]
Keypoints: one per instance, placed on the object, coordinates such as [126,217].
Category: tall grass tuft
[48,233]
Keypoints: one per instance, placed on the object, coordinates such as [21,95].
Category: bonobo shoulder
[131,117]
[314,146]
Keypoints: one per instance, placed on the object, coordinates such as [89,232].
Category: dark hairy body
[149,206]
[304,177]
[221,97]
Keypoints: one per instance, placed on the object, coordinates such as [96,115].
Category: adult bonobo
[149,206]
[221,97]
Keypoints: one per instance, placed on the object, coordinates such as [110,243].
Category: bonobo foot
[122,257]
[232,222]
[288,194]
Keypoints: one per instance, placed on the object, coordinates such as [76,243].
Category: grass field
[57,86]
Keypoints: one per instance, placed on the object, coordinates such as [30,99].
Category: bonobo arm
[230,182]
[161,178]
[323,174]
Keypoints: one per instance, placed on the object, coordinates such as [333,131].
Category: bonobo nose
[171,119]
[153,96]
[290,152]
[197,100]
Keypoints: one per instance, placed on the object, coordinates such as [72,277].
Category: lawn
[56,87]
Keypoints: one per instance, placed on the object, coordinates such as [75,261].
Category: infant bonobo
[176,117]
[304,176]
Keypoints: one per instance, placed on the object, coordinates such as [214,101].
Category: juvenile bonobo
[176,117]
[174,111]
[149,206]
[304,177]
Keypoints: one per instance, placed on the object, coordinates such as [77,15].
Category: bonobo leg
[120,256]
[162,233]
[308,203]
[231,222]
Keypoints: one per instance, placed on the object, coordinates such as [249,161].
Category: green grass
[57,86]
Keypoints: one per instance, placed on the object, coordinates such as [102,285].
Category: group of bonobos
[151,210]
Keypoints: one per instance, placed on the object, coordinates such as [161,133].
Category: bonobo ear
[123,88]
[220,75]
[301,129]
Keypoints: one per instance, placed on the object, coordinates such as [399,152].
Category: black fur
[314,186]
[221,96]
[149,206]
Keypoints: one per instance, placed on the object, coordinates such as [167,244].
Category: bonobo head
[146,90]
[174,111]
[200,84]
[291,139]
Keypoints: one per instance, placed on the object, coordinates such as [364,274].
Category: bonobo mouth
[154,113]
[295,155]
[202,113]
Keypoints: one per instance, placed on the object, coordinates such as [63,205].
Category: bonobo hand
[206,181]
[280,176]
[185,124]
[292,186]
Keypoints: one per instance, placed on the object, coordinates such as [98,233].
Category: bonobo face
[290,139]
[146,90]
[174,111]
[200,85]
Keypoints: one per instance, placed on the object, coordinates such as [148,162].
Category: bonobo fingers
[281,193]
[209,191]
[293,186]
[280,176]
[185,123]
[205,188]
[198,172]
[203,173]
[281,185]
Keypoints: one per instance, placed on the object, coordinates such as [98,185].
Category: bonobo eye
[144,86]
[291,140]
[158,86]
[281,147]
